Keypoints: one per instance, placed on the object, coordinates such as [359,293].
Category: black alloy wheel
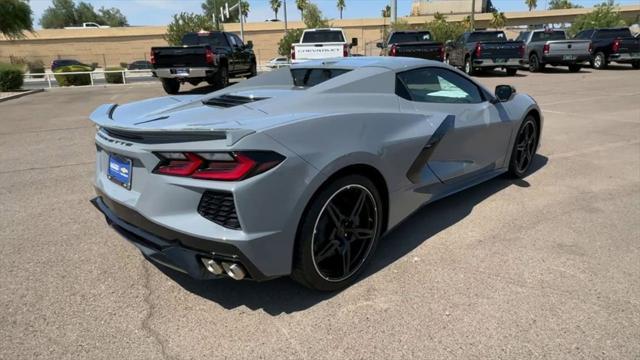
[524,148]
[338,234]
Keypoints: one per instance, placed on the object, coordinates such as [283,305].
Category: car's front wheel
[338,234]
[599,61]
[524,148]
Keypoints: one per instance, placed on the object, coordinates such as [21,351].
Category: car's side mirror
[380,45]
[249,44]
[505,92]
[354,41]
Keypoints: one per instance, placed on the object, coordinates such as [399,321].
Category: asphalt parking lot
[545,267]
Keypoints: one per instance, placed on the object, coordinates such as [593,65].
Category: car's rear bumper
[176,250]
[172,73]
[564,60]
[625,58]
[491,63]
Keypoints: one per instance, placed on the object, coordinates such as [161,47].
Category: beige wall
[115,45]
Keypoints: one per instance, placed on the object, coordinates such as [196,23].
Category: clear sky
[159,12]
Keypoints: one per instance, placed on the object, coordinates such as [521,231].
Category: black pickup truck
[612,45]
[485,50]
[412,43]
[211,56]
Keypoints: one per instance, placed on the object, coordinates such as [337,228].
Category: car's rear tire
[524,147]
[534,63]
[171,86]
[636,64]
[512,71]
[599,61]
[575,67]
[221,78]
[468,67]
[338,234]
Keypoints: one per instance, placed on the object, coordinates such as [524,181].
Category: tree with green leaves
[313,17]
[244,9]
[604,15]
[443,30]
[184,23]
[66,13]
[438,17]
[386,11]
[61,13]
[562,4]
[301,5]
[498,20]
[531,4]
[275,6]
[341,5]
[15,18]
[86,13]
[291,37]
[112,17]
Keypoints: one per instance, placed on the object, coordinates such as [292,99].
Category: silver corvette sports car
[300,171]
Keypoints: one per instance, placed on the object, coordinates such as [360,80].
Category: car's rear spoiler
[103,118]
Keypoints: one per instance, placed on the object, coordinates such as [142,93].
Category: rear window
[312,77]
[212,39]
[398,38]
[548,35]
[321,36]
[613,33]
[488,36]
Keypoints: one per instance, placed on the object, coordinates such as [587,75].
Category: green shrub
[74,79]
[36,67]
[114,78]
[10,77]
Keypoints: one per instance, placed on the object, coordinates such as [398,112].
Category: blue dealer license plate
[119,170]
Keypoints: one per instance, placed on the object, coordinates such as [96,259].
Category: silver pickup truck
[548,46]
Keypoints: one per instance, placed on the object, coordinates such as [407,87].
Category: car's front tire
[524,148]
[171,86]
[599,61]
[338,234]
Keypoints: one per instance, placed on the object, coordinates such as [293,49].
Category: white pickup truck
[323,43]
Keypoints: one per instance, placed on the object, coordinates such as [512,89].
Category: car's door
[235,63]
[244,54]
[474,137]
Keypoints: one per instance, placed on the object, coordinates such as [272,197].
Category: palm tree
[341,5]
[386,11]
[275,6]
[301,4]
[532,4]
[439,17]
[244,9]
[498,20]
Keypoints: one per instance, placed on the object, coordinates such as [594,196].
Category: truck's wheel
[171,86]
[221,78]
[534,63]
[512,71]
[574,67]
[636,64]
[468,67]
[254,70]
[599,61]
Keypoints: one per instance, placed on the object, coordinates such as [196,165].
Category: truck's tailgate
[630,46]
[422,50]
[191,56]
[318,51]
[568,47]
[500,49]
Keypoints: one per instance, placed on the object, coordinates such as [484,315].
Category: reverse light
[221,166]
[209,56]
[478,50]
[545,49]
[616,46]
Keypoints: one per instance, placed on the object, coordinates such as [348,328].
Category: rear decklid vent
[228,101]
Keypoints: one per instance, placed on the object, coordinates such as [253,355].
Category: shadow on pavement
[285,296]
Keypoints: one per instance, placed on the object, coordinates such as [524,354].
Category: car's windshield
[548,35]
[398,38]
[214,39]
[487,36]
[312,77]
[613,33]
[320,36]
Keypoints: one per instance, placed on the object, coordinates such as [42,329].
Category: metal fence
[96,77]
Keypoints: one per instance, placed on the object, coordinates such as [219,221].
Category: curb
[19,95]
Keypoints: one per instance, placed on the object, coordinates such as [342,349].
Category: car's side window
[437,85]
[239,42]
[232,41]
[523,36]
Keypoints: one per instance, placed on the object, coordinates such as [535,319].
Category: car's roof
[388,62]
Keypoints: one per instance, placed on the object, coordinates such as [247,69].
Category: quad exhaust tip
[233,270]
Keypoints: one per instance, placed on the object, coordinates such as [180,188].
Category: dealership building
[448,7]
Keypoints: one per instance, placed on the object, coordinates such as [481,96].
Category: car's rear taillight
[521,50]
[221,166]
[590,47]
[393,51]
[345,50]
[152,57]
[441,49]
[478,50]
[293,52]
[209,55]
[616,46]
[545,49]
